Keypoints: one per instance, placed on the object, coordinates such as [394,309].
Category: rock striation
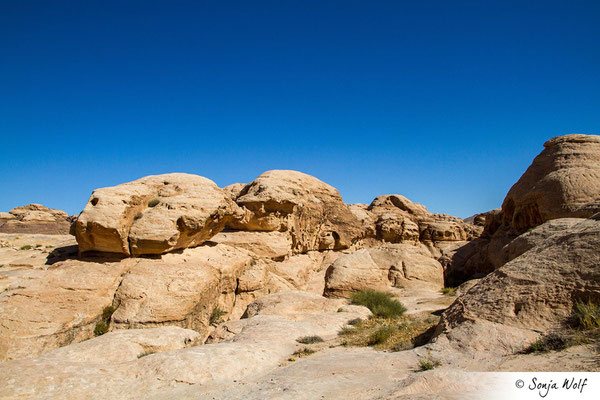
[35,218]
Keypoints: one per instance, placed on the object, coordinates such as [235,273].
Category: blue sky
[444,102]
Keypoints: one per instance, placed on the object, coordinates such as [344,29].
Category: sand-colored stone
[153,215]
[35,219]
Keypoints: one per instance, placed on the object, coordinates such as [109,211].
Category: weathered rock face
[311,211]
[273,245]
[35,218]
[180,289]
[535,292]
[153,215]
[45,309]
[560,183]
[392,265]
[399,220]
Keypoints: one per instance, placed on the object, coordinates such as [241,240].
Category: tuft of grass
[303,352]
[449,291]
[427,363]
[381,304]
[153,202]
[587,315]
[26,247]
[345,331]
[107,312]
[309,339]
[340,309]
[216,316]
[381,335]
[49,246]
[355,321]
[392,334]
[138,215]
[1,265]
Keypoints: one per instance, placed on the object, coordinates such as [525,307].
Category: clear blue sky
[444,102]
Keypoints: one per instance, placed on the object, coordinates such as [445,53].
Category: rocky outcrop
[264,341]
[46,309]
[560,183]
[382,267]
[398,220]
[534,293]
[153,215]
[312,212]
[35,218]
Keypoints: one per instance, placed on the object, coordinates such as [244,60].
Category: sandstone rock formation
[310,211]
[37,219]
[534,293]
[391,265]
[400,220]
[153,215]
[560,183]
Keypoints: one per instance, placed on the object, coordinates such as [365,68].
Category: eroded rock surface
[35,219]
[153,215]
[311,211]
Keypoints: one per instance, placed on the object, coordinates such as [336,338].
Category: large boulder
[534,293]
[35,218]
[382,267]
[311,211]
[560,183]
[153,215]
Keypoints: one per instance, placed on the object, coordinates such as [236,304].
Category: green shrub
[104,323]
[304,352]
[153,202]
[216,315]
[101,328]
[552,341]
[381,304]
[346,331]
[381,335]
[427,363]
[138,215]
[587,315]
[26,247]
[309,339]
[355,321]
[107,312]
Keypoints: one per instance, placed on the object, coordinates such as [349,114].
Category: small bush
[101,328]
[449,291]
[381,335]
[381,304]
[138,215]
[427,363]
[355,321]
[1,265]
[102,325]
[309,339]
[107,312]
[153,202]
[346,331]
[587,315]
[26,247]
[304,352]
[340,309]
[216,316]
[552,341]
